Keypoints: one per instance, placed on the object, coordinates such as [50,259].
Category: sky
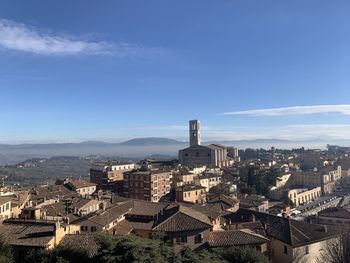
[114,70]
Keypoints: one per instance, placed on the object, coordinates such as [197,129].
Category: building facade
[304,196]
[213,155]
[150,185]
[191,193]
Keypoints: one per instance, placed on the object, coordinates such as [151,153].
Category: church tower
[195,135]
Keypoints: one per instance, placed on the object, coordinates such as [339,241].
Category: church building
[213,155]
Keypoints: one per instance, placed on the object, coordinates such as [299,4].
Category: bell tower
[195,135]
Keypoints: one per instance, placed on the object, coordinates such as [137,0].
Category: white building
[82,187]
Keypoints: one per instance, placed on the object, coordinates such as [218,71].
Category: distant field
[48,170]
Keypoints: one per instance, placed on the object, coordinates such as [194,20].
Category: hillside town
[288,205]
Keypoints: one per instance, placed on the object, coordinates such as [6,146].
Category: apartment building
[150,185]
[110,175]
[208,180]
[191,193]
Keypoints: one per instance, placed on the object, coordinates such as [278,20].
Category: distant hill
[140,148]
[151,141]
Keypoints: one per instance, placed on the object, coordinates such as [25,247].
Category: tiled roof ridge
[251,232]
[167,219]
[300,232]
[181,210]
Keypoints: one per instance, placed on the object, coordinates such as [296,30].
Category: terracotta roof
[292,232]
[106,217]
[5,199]
[143,208]
[83,242]
[56,209]
[225,201]
[190,187]
[185,219]
[39,194]
[256,227]
[338,212]
[80,184]
[166,217]
[122,228]
[212,211]
[31,234]
[243,237]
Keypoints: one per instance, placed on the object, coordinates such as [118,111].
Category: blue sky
[113,70]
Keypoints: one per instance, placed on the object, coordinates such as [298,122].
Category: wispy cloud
[286,132]
[19,37]
[296,110]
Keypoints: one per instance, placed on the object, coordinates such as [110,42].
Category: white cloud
[19,37]
[285,132]
[296,110]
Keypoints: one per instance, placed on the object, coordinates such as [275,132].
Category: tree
[241,255]
[286,200]
[5,251]
[133,249]
[204,256]
[336,250]
[59,254]
[220,189]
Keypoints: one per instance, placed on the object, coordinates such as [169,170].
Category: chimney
[264,226]
[253,218]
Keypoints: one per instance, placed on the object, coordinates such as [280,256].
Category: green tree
[204,256]
[5,251]
[131,248]
[241,255]
[59,254]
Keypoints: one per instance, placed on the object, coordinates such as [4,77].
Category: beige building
[191,193]
[182,226]
[82,187]
[291,241]
[208,180]
[106,175]
[304,196]
[181,179]
[326,178]
[105,220]
[5,207]
[150,185]
[281,182]
[33,234]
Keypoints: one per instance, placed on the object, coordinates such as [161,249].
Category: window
[307,250]
[7,206]
[83,228]
[198,238]
[181,239]
[285,250]
[93,229]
